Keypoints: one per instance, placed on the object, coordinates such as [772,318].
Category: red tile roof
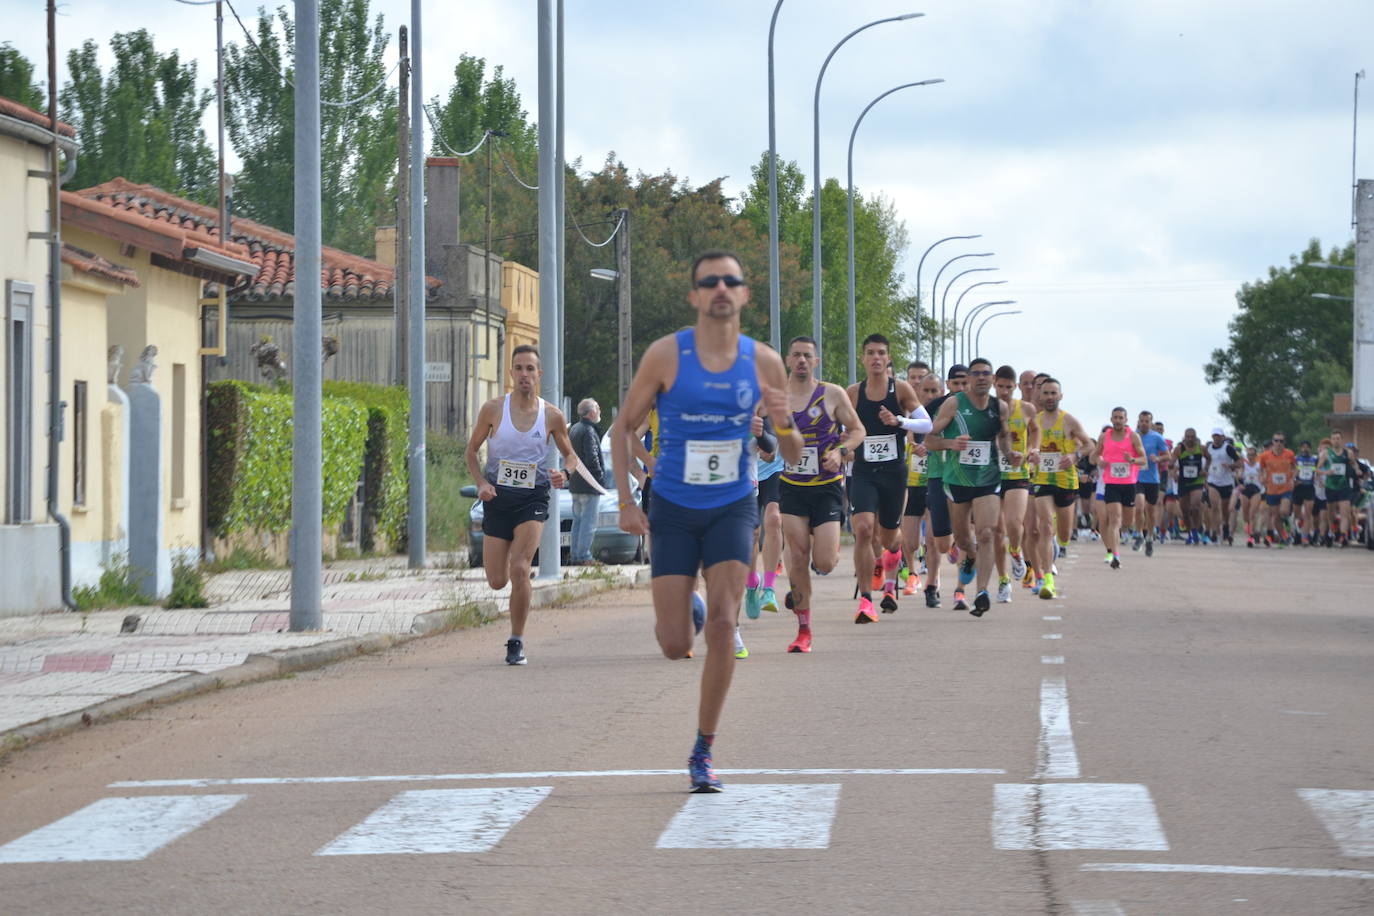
[95,265]
[344,277]
[25,113]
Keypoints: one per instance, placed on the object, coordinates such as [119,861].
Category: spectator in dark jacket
[586,441]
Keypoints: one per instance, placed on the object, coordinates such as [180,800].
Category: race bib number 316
[520,474]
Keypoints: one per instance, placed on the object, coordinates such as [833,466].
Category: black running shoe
[889,602]
[981,604]
[932,596]
[1150,548]
[515,652]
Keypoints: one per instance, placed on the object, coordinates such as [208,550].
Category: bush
[447,509]
[387,493]
[188,585]
[118,587]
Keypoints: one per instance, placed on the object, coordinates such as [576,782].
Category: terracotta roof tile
[344,277]
[94,264]
[25,113]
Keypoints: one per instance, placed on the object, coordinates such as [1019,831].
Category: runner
[1120,455]
[758,592]
[915,513]
[812,493]
[972,473]
[877,489]
[514,483]
[1252,493]
[1062,437]
[1278,467]
[1016,482]
[1305,493]
[1337,464]
[1223,461]
[1320,507]
[1148,506]
[1191,460]
[915,371]
[706,381]
[939,532]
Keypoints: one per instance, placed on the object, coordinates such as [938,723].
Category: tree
[16,79]
[143,121]
[1287,353]
[357,140]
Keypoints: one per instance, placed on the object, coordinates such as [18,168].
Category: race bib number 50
[1049,462]
[519,474]
[710,461]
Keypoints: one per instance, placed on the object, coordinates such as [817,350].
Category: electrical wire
[439,138]
[502,157]
[198,2]
[371,92]
[609,238]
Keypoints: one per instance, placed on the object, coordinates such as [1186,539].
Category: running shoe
[924,570]
[1039,584]
[959,603]
[889,602]
[967,569]
[1116,562]
[803,641]
[1250,541]
[768,599]
[740,650]
[1149,548]
[751,603]
[1047,587]
[1139,542]
[1028,578]
[981,603]
[953,554]
[698,611]
[1018,566]
[1004,590]
[699,769]
[1108,558]
[515,651]
[913,584]
[877,577]
[866,614]
[932,596]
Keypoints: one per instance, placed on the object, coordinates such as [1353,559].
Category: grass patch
[240,558]
[188,585]
[118,587]
[447,509]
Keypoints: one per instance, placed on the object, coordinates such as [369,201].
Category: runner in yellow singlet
[1016,482]
[1062,439]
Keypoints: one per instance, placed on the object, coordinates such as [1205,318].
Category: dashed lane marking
[1253,870]
[1056,755]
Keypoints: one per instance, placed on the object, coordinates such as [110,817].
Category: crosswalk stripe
[118,829]
[1076,816]
[439,820]
[755,816]
[1096,908]
[1347,814]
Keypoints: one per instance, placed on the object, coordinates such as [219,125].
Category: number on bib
[1305,473]
[808,466]
[1049,462]
[1119,469]
[711,461]
[978,453]
[917,463]
[1278,479]
[1189,471]
[1337,469]
[520,474]
[880,448]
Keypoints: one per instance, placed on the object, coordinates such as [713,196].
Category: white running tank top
[1219,473]
[515,458]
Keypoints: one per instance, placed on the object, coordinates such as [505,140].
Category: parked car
[609,543]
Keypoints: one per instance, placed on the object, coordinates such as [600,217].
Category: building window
[79,419]
[19,401]
[178,431]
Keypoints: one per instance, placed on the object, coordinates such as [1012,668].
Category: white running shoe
[1018,567]
[1004,592]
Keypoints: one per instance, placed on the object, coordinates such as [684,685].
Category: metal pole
[622,289]
[1354,148]
[560,188]
[943,298]
[307,487]
[400,287]
[955,320]
[852,134]
[1362,374]
[967,328]
[55,402]
[978,335]
[549,560]
[816,181]
[940,325]
[920,303]
[416,302]
[774,278]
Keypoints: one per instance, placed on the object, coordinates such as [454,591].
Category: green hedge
[388,441]
[250,457]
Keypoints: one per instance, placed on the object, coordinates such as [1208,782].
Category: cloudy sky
[1130,164]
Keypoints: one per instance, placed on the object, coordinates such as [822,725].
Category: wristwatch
[844,451]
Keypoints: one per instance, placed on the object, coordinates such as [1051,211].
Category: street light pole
[978,336]
[774,274]
[967,328]
[816,179]
[1354,148]
[955,320]
[934,289]
[852,135]
[944,297]
[921,263]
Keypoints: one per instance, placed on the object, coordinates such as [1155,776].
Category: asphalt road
[1190,734]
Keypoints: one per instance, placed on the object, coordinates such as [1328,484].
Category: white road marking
[1051,659]
[1056,756]
[1347,814]
[439,820]
[1052,617]
[757,816]
[1052,636]
[1096,908]
[1301,712]
[550,774]
[1076,816]
[118,829]
[1255,870]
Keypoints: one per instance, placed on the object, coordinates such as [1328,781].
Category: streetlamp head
[931,83]
[906,16]
[605,273]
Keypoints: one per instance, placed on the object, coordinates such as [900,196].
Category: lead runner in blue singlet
[706,382]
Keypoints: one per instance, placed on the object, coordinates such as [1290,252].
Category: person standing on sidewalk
[514,484]
[586,499]
[706,381]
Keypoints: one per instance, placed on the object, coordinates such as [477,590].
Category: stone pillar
[114,446]
[151,562]
[1362,376]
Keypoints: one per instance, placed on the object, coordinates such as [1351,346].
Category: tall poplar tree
[16,79]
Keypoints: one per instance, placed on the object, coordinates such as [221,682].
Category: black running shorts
[1148,490]
[1122,494]
[817,504]
[915,501]
[938,508]
[1062,498]
[512,507]
[879,491]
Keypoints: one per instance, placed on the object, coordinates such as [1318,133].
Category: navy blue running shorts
[687,540]
[938,508]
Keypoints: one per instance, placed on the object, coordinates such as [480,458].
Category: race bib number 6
[977,453]
[808,466]
[711,461]
[521,474]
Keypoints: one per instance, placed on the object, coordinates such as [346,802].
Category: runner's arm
[1140,460]
[772,377]
[842,410]
[935,439]
[480,431]
[558,431]
[1004,442]
[644,389]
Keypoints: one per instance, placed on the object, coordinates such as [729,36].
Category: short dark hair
[1006,372]
[801,338]
[1147,413]
[1048,379]
[1040,377]
[875,338]
[979,360]
[956,371]
[711,254]
[526,348]
[1115,409]
[918,364]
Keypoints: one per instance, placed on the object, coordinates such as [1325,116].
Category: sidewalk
[61,670]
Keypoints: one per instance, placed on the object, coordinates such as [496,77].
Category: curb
[263,667]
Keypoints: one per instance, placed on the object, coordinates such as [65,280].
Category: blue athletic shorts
[686,540]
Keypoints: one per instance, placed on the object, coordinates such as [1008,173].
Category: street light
[816,178]
[1330,296]
[955,321]
[972,314]
[934,288]
[978,336]
[774,307]
[944,297]
[605,273]
[919,265]
[852,134]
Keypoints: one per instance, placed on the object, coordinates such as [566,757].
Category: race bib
[1006,466]
[1189,471]
[1305,473]
[880,448]
[917,463]
[1049,462]
[1278,479]
[808,466]
[711,461]
[1119,469]
[1337,469]
[520,474]
[978,453]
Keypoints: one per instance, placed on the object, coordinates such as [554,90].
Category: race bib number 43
[880,448]
[519,474]
[978,453]
[711,461]
[808,466]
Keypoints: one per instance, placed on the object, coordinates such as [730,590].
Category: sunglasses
[1280,440]
[980,373]
[730,280]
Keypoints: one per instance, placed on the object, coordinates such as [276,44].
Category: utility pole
[549,267]
[307,485]
[417,305]
[400,287]
[622,288]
